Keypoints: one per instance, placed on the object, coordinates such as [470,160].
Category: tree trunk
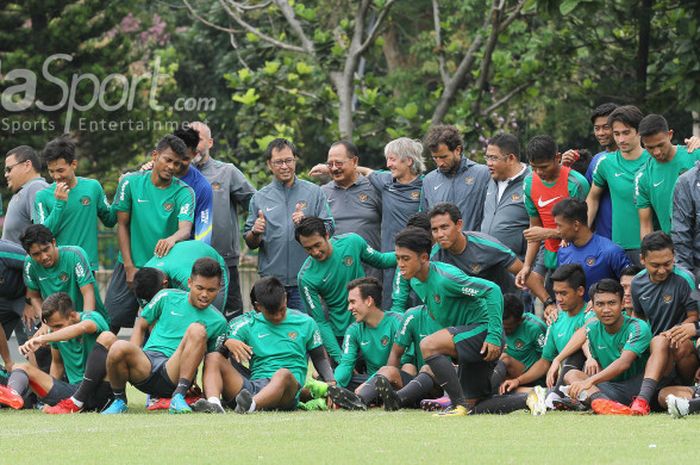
[392,52]
[344,88]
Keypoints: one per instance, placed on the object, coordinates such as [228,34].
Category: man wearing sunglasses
[22,173]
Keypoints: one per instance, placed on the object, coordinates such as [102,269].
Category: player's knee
[25,367]
[197,331]
[213,359]
[572,376]
[660,343]
[429,346]
[389,372]
[426,369]
[117,351]
[106,339]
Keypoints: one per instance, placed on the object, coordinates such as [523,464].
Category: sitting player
[525,336]
[184,326]
[276,341]
[72,337]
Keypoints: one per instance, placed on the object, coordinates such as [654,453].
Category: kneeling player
[184,327]
[276,341]
[72,338]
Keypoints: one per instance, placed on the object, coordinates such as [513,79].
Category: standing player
[617,172]
[331,264]
[71,206]
[626,282]
[155,210]
[470,309]
[274,212]
[184,326]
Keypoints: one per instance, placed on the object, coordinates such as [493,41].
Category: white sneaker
[550,399]
[677,406]
[536,401]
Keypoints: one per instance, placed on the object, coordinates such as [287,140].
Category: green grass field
[406,437]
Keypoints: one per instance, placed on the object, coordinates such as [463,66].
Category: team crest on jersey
[63,277]
[516,197]
[168,206]
[436,298]
[347,260]
[415,195]
[519,344]
[385,341]
[363,197]
[216,186]
[590,261]
[85,201]
[667,298]
[469,180]
[292,335]
[476,268]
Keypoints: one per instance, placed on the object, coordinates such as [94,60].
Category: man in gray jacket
[457,179]
[273,213]
[685,230]
[22,173]
[232,191]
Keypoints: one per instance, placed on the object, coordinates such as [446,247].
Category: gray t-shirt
[666,304]
[357,209]
[20,208]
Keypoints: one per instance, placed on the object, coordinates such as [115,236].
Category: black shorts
[120,301]
[622,391]
[158,384]
[63,390]
[256,385]
[474,372]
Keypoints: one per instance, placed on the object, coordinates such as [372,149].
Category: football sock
[648,389]
[368,391]
[183,384]
[416,389]
[214,400]
[18,382]
[502,404]
[446,376]
[119,394]
[95,372]
[499,374]
[694,406]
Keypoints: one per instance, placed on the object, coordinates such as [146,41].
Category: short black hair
[652,124]
[23,153]
[279,144]
[60,147]
[173,143]
[443,134]
[369,286]
[603,110]
[572,274]
[631,270]
[147,282]
[629,115]
[446,208]
[572,210]
[584,160]
[541,148]
[207,267]
[512,306]
[414,239]
[308,226]
[606,285]
[36,234]
[349,147]
[655,241]
[419,220]
[269,294]
[59,302]
[189,136]
[507,143]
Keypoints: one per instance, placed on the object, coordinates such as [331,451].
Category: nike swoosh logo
[645,297]
[267,209]
[260,336]
[364,343]
[560,335]
[141,200]
[602,347]
[657,184]
[42,279]
[617,175]
[542,204]
[175,314]
[437,187]
[325,279]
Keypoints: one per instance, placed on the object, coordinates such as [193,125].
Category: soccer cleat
[535,401]
[178,404]
[430,405]
[244,400]
[313,404]
[640,406]
[10,398]
[678,407]
[567,404]
[159,403]
[116,407]
[317,388]
[386,391]
[65,406]
[204,406]
[345,398]
[456,411]
[610,407]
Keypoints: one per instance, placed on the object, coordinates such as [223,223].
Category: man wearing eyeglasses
[274,212]
[22,169]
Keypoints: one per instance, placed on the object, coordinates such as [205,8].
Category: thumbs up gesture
[259,225]
[298,214]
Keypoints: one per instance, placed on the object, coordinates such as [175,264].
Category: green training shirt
[74,352]
[74,221]
[526,342]
[155,212]
[634,335]
[69,274]
[172,314]
[276,346]
[560,332]
[373,343]
[417,324]
[455,299]
[177,265]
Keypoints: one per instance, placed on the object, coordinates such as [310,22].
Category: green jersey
[154,212]
[560,332]
[74,221]
[69,274]
[172,313]
[417,324]
[617,174]
[326,281]
[373,343]
[526,342]
[276,346]
[177,265]
[656,181]
[74,352]
[455,299]
[634,335]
